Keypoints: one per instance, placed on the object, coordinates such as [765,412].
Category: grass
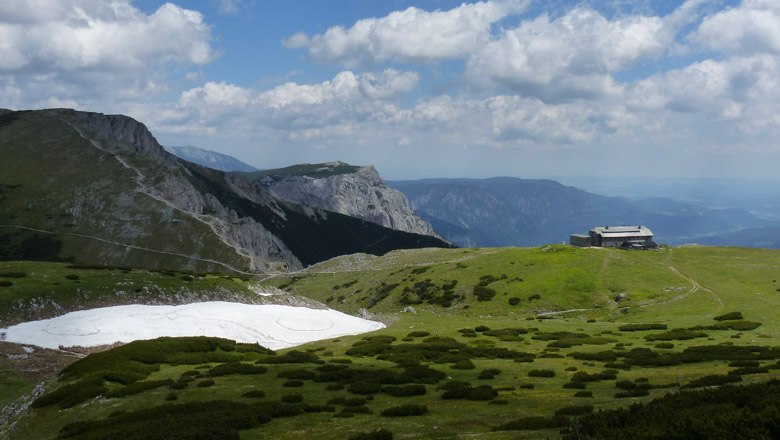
[680,288]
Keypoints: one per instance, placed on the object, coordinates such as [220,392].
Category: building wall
[579,240]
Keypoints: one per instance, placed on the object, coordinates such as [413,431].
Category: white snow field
[272,326]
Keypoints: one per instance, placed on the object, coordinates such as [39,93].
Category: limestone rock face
[351,190]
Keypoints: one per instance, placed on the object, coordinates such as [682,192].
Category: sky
[436,88]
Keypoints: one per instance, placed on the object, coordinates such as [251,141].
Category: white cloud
[83,50]
[412,34]
[575,55]
[752,27]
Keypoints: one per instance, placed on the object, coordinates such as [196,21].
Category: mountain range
[210,159]
[99,189]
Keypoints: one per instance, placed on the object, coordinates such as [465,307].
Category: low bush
[293,383]
[601,356]
[641,327]
[534,296]
[533,423]
[713,380]
[664,345]
[575,385]
[404,390]
[728,316]
[583,394]
[513,301]
[171,396]
[379,434]
[405,410]
[575,410]
[13,274]
[139,387]
[541,373]
[254,394]
[303,374]
[482,392]
[748,370]
[236,368]
[678,334]
[292,398]
[489,373]
[484,293]
[365,388]
[418,334]
[463,364]
[206,383]
[359,409]
[6,283]
[638,392]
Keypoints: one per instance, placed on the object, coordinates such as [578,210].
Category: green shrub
[404,390]
[171,396]
[484,293]
[463,364]
[541,373]
[254,394]
[489,373]
[534,296]
[679,334]
[664,345]
[418,334]
[303,374]
[293,383]
[13,274]
[362,409]
[575,385]
[138,387]
[379,434]
[641,327]
[533,423]
[575,410]
[728,316]
[638,392]
[235,368]
[6,283]
[292,398]
[713,380]
[365,388]
[481,328]
[72,276]
[583,394]
[601,356]
[206,383]
[513,301]
[405,410]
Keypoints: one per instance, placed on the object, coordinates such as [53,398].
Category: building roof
[622,231]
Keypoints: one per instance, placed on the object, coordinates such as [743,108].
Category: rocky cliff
[357,191]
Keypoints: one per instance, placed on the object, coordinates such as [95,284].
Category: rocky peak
[357,191]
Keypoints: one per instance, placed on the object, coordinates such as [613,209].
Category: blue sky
[525,88]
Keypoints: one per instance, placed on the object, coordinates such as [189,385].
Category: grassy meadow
[480,343]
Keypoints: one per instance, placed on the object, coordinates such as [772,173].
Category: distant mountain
[98,189]
[210,159]
[505,211]
[767,237]
[357,191]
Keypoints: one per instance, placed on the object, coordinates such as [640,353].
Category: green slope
[509,348]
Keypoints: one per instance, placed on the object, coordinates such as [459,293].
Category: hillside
[768,237]
[97,189]
[494,343]
[210,159]
[506,211]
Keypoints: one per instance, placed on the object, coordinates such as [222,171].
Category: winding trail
[141,187]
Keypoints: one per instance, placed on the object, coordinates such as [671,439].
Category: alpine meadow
[419,219]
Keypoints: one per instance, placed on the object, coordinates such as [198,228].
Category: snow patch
[272,326]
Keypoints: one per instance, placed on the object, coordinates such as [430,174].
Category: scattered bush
[713,380]
[533,423]
[171,396]
[728,316]
[379,434]
[303,374]
[541,373]
[6,283]
[404,390]
[12,274]
[513,301]
[534,296]
[664,345]
[641,327]
[484,293]
[292,398]
[418,334]
[293,383]
[365,388]
[235,368]
[254,394]
[678,334]
[583,394]
[405,410]
[576,410]
[489,373]
[72,276]
[206,383]
[463,364]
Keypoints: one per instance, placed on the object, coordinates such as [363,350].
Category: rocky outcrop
[355,191]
